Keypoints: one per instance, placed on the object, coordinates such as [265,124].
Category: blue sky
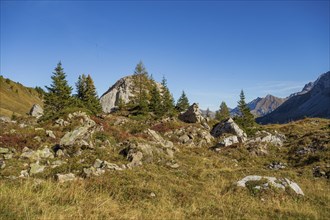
[210,49]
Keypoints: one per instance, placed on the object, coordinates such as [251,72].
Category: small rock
[50,134]
[4,150]
[36,111]
[152,194]
[36,168]
[8,156]
[2,164]
[24,174]
[65,177]
[98,163]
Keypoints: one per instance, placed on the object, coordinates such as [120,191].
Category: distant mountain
[262,106]
[312,101]
[16,98]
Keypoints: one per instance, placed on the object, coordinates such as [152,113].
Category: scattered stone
[36,111]
[192,115]
[135,158]
[173,165]
[2,164]
[8,156]
[59,153]
[321,172]
[61,122]
[112,166]
[184,139]
[229,127]
[57,163]
[266,137]
[228,141]
[24,174]
[36,155]
[152,194]
[37,138]
[50,134]
[275,182]
[61,178]
[92,171]
[98,163]
[5,119]
[4,150]
[276,165]
[36,168]
[159,139]
[22,125]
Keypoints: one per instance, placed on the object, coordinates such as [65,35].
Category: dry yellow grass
[16,98]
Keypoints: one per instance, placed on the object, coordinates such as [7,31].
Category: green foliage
[183,102]
[40,91]
[223,112]
[58,96]
[246,118]
[155,101]
[86,93]
[167,99]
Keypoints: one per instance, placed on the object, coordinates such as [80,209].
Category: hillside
[16,98]
[312,101]
[115,167]
[262,106]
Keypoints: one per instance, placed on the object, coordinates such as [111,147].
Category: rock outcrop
[280,183]
[36,111]
[192,115]
[121,90]
[229,127]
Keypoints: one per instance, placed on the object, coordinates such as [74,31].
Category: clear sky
[210,49]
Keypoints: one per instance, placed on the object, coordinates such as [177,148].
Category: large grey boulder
[229,127]
[36,111]
[122,91]
[159,139]
[193,115]
[280,183]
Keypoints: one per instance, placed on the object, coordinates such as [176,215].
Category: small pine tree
[167,99]
[183,102]
[141,79]
[58,96]
[86,92]
[223,112]
[155,101]
[246,118]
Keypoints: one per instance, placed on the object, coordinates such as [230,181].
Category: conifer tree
[58,94]
[167,99]
[183,102]
[86,92]
[141,78]
[155,101]
[223,112]
[246,118]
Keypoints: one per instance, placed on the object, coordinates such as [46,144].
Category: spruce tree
[246,118]
[183,102]
[141,82]
[223,112]
[58,94]
[86,92]
[167,99]
[155,101]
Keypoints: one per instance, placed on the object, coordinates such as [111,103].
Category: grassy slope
[16,98]
[202,187]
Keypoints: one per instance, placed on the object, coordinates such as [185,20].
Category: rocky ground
[114,166]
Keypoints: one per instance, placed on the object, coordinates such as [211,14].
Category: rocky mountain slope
[124,168]
[312,101]
[16,99]
[262,106]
